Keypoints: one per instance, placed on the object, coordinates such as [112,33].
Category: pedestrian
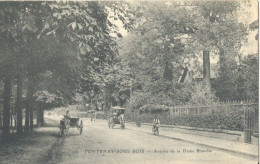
[91,115]
[94,115]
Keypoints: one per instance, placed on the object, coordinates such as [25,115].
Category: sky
[248,16]
[252,46]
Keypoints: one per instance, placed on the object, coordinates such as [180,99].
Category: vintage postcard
[129,82]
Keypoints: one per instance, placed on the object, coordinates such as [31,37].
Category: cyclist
[156,124]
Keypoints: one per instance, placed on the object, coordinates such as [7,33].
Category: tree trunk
[27,119]
[19,107]
[225,87]
[11,119]
[206,70]
[31,120]
[40,119]
[168,73]
[1,120]
[15,120]
[222,63]
[105,101]
[6,105]
[28,106]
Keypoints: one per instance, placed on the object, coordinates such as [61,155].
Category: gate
[251,119]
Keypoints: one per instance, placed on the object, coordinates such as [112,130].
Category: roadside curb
[216,147]
[237,133]
[203,144]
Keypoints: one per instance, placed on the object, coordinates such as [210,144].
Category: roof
[198,73]
[254,25]
[154,107]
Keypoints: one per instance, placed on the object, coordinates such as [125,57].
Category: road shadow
[54,154]
[50,133]
[73,134]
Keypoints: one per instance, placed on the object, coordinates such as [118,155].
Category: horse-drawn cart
[116,117]
[65,124]
[77,123]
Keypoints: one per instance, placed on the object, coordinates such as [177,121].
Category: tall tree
[171,35]
[85,26]
[222,34]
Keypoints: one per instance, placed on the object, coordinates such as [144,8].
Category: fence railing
[221,107]
[248,111]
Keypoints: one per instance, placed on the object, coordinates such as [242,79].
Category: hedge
[223,121]
[210,121]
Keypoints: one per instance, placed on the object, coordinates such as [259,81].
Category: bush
[215,121]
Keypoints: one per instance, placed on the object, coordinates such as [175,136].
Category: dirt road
[99,144]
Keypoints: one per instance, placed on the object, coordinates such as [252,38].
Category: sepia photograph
[129,82]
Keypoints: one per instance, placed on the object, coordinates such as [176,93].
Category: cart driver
[114,115]
[67,115]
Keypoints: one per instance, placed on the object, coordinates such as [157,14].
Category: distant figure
[67,115]
[122,117]
[114,115]
[91,116]
[94,115]
[122,121]
[156,125]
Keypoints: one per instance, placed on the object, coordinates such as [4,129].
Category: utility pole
[131,90]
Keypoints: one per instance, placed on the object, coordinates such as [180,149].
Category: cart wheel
[80,130]
[81,126]
[62,132]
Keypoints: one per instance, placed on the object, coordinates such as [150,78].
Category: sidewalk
[226,145]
